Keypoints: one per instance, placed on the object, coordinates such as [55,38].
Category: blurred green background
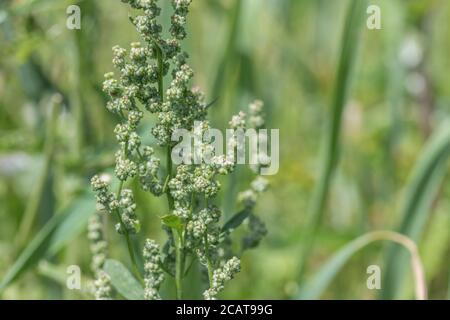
[386,172]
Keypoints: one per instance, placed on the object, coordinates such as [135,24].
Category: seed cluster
[221,276]
[193,222]
[99,250]
[154,275]
[98,245]
[102,286]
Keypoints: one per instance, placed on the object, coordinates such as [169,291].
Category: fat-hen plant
[193,221]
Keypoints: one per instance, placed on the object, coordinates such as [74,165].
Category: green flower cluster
[193,222]
[102,285]
[99,249]
[154,275]
[221,276]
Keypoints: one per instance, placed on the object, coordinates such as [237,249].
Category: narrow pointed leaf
[123,281]
[54,235]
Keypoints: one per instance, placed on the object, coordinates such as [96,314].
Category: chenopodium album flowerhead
[224,150]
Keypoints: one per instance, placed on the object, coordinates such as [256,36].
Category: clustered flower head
[238,121]
[256,228]
[135,92]
[221,276]
[129,222]
[143,67]
[148,172]
[249,197]
[154,275]
[202,229]
[98,244]
[256,119]
[105,198]
[141,70]
[99,250]
[256,232]
[102,286]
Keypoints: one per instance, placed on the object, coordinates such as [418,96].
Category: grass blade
[44,183]
[329,158]
[426,179]
[229,50]
[123,280]
[314,288]
[73,224]
[53,235]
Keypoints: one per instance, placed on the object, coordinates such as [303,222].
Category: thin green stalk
[331,144]
[127,236]
[209,265]
[210,272]
[223,74]
[421,192]
[180,254]
[78,100]
[178,238]
[229,50]
[159,55]
[130,250]
[128,240]
[169,164]
[169,176]
[34,204]
[179,265]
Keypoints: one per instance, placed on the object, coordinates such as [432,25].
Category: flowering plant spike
[193,221]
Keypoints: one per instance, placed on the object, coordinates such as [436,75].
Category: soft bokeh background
[284,52]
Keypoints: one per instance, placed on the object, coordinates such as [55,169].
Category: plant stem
[169,176]
[178,237]
[178,241]
[210,272]
[133,259]
[128,240]
[332,141]
[179,267]
[36,198]
[209,265]
[159,56]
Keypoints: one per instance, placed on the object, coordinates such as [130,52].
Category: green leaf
[421,191]
[331,144]
[315,287]
[54,235]
[222,73]
[74,224]
[173,221]
[123,280]
[41,200]
[235,221]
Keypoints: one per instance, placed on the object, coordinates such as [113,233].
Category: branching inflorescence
[193,221]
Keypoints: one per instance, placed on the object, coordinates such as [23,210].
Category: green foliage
[420,192]
[329,157]
[173,222]
[123,281]
[315,287]
[56,234]
[364,145]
